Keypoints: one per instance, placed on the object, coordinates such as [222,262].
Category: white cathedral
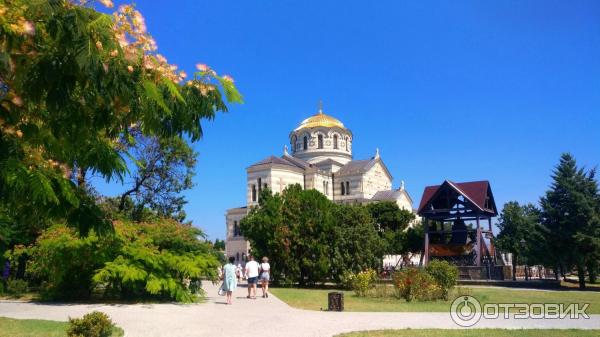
[320,158]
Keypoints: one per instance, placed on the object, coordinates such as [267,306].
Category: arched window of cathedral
[343,188]
[236,229]
[325,188]
[294,140]
[237,256]
[253,192]
[346,143]
[259,186]
[320,141]
[348,187]
[335,140]
[305,143]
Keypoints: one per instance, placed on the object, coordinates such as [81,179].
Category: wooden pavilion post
[492,248]
[478,261]
[426,245]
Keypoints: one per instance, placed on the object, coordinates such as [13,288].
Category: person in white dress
[265,276]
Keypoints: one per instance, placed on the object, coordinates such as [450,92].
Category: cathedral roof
[391,195]
[285,160]
[320,120]
[297,161]
[329,161]
[355,167]
[272,160]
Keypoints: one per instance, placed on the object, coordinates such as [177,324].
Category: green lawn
[38,328]
[316,299]
[473,333]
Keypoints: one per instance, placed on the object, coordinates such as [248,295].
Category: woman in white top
[265,272]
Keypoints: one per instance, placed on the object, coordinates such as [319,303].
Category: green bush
[162,260]
[415,284]
[347,280]
[444,274]
[158,260]
[364,282]
[65,262]
[16,287]
[94,324]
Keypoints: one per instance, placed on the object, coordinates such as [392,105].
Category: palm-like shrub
[162,260]
[158,260]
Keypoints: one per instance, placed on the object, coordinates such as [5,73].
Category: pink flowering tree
[75,83]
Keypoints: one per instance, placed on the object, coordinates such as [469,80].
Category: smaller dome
[320,119]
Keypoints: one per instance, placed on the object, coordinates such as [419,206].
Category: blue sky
[459,90]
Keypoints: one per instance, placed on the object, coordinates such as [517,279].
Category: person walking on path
[265,272]
[229,279]
[252,275]
[239,272]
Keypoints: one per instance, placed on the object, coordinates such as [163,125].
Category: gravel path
[260,317]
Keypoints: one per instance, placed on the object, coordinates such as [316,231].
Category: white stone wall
[264,174]
[235,246]
[404,203]
[375,180]
[314,154]
[281,178]
[356,188]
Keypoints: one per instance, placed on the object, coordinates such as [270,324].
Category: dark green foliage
[414,238]
[444,274]
[355,245]
[571,217]
[16,287]
[389,217]
[520,233]
[94,324]
[219,244]
[64,261]
[391,222]
[309,239]
[162,260]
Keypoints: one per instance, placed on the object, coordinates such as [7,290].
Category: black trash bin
[335,301]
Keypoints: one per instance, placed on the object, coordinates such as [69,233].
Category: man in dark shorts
[252,275]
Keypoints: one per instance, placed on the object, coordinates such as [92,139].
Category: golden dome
[320,119]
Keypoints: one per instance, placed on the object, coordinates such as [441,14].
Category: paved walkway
[260,317]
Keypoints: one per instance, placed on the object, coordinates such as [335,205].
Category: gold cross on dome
[320,106]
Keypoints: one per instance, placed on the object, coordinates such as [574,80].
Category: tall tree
[389,217]
[517,226]
[355,245]
[391,222]
[570,217]
[164,168]
[310,239]
[73,82]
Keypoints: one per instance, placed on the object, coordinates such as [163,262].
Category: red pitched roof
[475,191]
